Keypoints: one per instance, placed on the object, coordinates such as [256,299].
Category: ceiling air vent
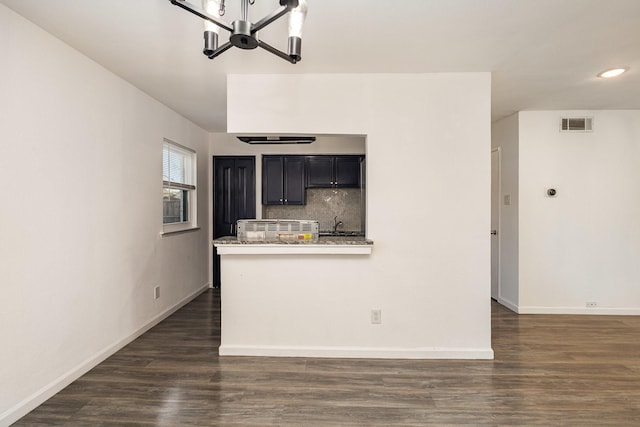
[576,124]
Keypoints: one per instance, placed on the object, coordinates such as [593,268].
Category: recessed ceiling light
[614,72]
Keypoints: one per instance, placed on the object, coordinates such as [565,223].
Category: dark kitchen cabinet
[347,171]
[333,171]
[283,180]
[319,171]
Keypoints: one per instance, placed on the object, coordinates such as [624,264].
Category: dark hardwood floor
[548,371]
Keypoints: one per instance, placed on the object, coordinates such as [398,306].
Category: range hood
[277,139]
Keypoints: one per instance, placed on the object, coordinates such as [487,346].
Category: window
[178,187]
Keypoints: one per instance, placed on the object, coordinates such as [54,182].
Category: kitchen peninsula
[280,299]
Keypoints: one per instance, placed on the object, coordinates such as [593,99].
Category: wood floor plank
[549,370]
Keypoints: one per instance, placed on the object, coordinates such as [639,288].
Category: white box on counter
[278,230]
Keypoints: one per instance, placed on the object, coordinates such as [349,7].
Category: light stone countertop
[322,241]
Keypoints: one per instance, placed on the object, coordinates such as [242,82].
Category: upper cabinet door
[283,180]
[333,171]
[272,180]
[347,171]
[294,177]
[319,171]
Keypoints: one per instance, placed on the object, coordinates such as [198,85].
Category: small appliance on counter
[278,230]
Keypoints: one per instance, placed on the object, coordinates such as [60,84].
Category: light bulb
[212,7]
[615,72]
[296,19]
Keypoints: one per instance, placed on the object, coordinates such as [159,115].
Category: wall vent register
[576,124]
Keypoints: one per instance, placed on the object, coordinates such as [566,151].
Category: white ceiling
[543,54]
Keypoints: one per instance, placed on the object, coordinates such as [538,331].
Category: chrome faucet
[336,224]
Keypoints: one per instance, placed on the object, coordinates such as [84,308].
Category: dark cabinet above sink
[286,177]
[333,171]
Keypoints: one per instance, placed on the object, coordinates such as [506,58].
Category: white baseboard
[606,311]
[356,352]
[27,405]
[510,305]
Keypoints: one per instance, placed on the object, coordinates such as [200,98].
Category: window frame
[189,187]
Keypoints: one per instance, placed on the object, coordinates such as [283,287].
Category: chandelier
[244,34]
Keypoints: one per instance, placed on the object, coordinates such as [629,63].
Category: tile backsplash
[323,204]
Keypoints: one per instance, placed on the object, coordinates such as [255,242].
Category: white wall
[504,134]
[80,245]
[428,191]
[582,245]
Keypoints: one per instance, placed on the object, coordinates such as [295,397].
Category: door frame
[498,150]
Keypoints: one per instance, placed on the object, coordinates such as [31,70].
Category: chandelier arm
[275,51]
[201,13]
[278,13]
[225,47]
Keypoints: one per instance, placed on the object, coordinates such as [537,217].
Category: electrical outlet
[376,317]
[156,292]
[591,304]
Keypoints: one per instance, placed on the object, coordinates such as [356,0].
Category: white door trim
[499,222]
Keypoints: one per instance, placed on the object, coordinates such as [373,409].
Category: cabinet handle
[286,201]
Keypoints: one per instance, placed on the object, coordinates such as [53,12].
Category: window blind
[178,166]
